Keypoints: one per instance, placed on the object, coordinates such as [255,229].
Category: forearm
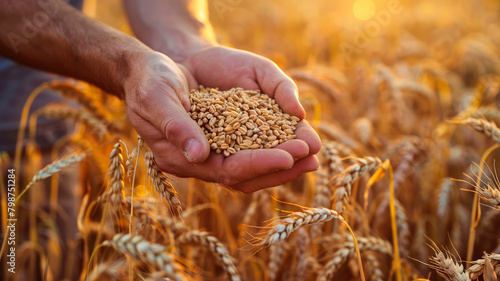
[173,27]
[51,35]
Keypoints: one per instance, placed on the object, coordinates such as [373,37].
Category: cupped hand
[156,94]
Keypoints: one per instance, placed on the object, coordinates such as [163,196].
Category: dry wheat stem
[143,251]
[162,185]
[218,249]
[286,226]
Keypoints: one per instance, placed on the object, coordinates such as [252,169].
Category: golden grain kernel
[231,150]
[255,146]
[271,138]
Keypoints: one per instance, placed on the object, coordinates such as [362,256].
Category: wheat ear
[486,127]
[143,251]
[286,226]
[75,114]
[447,267]
[218,249]
[161,183]
[478,266]
[114,193]
[342,183]
[53,168]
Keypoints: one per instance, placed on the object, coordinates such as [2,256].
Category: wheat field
[406,102]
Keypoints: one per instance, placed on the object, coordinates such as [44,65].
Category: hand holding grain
[158,105]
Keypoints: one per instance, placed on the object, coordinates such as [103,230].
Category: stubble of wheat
[219,250]
[162,185]
[143,251]
[286,226]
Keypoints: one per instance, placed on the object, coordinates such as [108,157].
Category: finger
[248,164]
[302,166]
[177,127]
[192,84]
[296,147]
[274,82]
[305,132]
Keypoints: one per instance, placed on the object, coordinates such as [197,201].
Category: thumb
[183,132]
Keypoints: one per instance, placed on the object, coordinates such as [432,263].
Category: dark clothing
[16,84]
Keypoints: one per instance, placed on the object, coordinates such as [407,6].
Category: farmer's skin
[175,50]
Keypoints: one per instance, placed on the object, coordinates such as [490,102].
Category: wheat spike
[75,114]
[286,226]
[486,127]
[373,267]
[276,256]
[490,194]
[447,267]
[338,259]
[55,167]
[218,249]
[342,183]
[162,185]
[143,251]
[477,268]
[69,90]
[114,193]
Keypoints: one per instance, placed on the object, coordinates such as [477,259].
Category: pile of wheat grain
[239,119]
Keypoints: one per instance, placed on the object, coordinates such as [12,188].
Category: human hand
[156,94]
[223,67]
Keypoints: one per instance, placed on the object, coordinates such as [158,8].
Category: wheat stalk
[286,226]
[162,185]
[218,249]
[143,251]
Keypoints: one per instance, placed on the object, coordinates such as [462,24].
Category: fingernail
[193,150]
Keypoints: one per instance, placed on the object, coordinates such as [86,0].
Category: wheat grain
[372,266]
[239,119]
[162,185]
[143,251]
[218,249]
[286,226]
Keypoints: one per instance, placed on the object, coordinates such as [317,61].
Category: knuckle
[172,127]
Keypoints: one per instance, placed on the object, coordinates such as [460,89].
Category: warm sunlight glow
[363,9]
